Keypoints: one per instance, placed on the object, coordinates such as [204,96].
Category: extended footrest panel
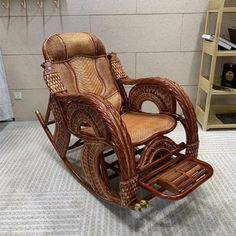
[178,180]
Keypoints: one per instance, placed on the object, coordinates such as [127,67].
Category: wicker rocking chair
[88,100]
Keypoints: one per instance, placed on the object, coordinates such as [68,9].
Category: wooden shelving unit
[206,112]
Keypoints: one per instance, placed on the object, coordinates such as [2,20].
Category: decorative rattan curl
[157,146]
[61,135]
[92,153]
[176,91]
[109,129]
[146,92]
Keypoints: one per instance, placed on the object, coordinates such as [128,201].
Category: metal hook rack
[40,3]
[5,4]
[23,3]
[57,3]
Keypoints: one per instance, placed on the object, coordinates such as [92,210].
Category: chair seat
[144,126]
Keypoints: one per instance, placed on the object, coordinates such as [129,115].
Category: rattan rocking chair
[88,100]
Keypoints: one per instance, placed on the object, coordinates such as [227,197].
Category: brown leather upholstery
[81,61]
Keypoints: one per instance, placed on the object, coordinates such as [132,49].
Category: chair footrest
[179,180]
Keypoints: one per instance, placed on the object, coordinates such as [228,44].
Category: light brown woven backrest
[83,66]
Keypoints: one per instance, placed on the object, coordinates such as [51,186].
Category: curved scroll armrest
[91,109]
[189,117]
[106,122]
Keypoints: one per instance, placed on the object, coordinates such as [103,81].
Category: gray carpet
[38,196]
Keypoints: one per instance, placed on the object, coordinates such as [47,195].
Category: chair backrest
[83,66]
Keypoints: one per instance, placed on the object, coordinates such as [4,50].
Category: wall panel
[151,37]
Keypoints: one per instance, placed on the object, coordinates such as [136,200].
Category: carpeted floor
[38,196]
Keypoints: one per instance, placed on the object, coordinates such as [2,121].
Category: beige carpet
[38,196]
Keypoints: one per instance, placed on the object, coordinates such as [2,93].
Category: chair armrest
[155,93]
[177,94]
[106,122]
[90,109]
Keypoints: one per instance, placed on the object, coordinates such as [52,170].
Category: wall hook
[57,3]
[23,4]
[40,3]
[6,4]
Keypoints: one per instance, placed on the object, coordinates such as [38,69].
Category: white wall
[152,37]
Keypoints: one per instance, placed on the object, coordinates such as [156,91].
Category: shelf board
[226,53]
[229,9]
[219,90]
[209,48]
[223,92]
[215,123]
[227,108]
[204,84]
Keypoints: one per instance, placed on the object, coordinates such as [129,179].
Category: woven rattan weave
[120,143]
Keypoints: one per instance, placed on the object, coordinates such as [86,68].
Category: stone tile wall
[152,38]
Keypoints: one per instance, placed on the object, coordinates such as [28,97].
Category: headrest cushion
[61,47]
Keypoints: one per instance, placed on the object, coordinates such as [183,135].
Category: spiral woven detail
[86,114]
[160,97]
[158,146]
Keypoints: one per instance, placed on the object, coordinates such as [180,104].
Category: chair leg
[44,125]
[47,116]
[45,122]
[60,138]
